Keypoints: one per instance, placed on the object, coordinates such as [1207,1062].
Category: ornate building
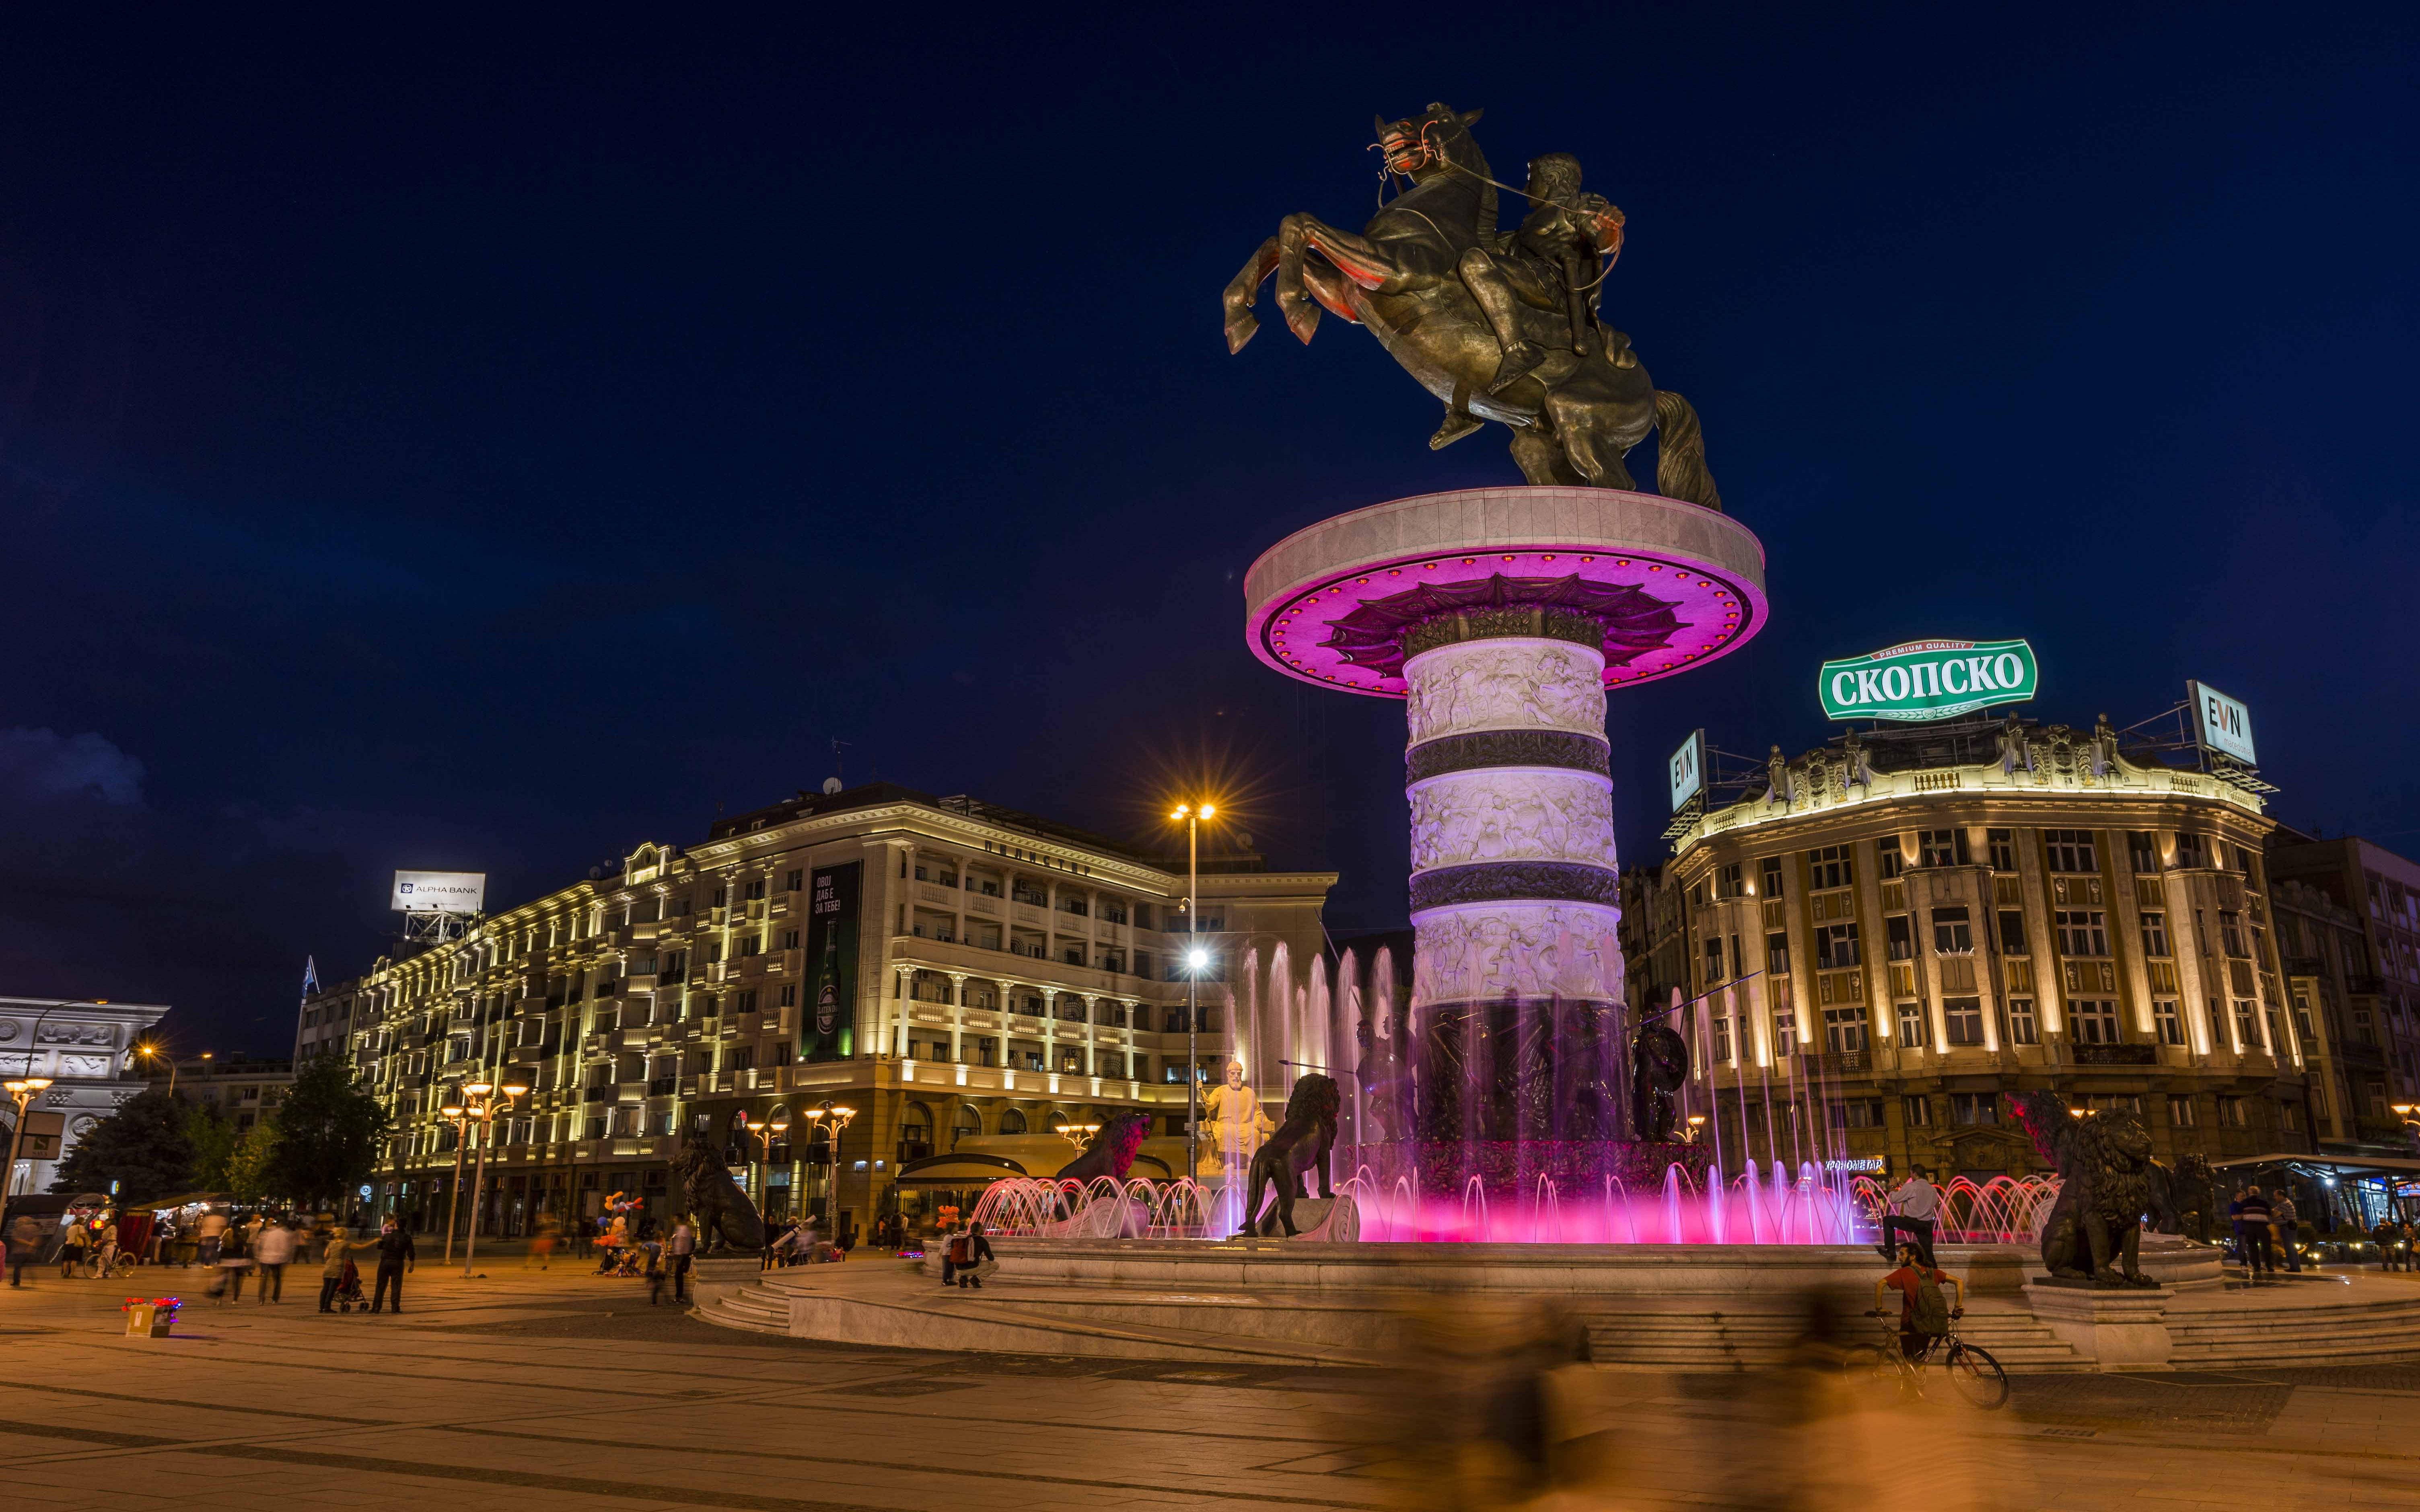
[1898,928]
[943,966]
[83,1049]
[2349,931]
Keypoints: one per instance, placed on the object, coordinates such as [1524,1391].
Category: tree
[142,1146]
[212,1135]
[328,1132]
[252,1170]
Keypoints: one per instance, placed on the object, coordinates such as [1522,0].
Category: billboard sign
[43,1132]
[440,892]
[828,1028]
[1686,769]
[2221,723]
[1928,680]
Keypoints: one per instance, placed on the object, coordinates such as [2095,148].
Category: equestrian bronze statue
[1499,325]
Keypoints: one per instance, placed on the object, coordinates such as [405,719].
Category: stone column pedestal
[2116,1328]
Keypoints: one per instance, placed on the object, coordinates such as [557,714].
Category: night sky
[461,449]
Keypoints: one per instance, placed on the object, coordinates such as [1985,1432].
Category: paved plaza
[560,1389]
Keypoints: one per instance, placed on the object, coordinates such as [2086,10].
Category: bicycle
[1970,1368]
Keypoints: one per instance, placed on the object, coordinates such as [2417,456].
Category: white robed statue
[1232,1126]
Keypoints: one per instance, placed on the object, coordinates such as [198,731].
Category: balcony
[664,1086]
[1836,1062]
[2114,1054]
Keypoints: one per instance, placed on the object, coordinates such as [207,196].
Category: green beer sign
[1928,680]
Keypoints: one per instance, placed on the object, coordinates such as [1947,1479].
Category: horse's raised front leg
[1241,322]
[1352,256]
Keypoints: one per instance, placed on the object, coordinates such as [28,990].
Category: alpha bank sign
[440,892]
[1928,680]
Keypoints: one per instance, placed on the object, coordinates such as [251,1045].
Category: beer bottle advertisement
[827,1029]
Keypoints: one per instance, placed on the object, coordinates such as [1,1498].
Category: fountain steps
[2266,1327]
[1740,1340]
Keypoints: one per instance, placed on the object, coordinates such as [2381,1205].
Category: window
[2180,1110]
[1773,876]
[2303,1017]
[1836,945]
[2142,851]
[1941,847]
[1911,1032]
[2230,931]
[1785,1035]
[1857,1113]
[1951,933]
[1722,1038]
[2070,850]
[1844,1029]
[1731,881]
[2094,1020]
[2276,1031]
[1714,958]
[2082,932]
[1975,1108]
[746,1002]
[2012,931]
[2233,1111]
[2170,1022]
[1964,1017]
[2289,1116]
[790,996]
[755,890]
[1831,867]
[789,939]
[2017,1025]
[2247,1023]
[793,881]
[1898,938]
[1886,857]
[2155,934]
[2192,850]
[1919,1111]
[1776,954]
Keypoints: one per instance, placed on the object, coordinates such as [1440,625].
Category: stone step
[1734,1340]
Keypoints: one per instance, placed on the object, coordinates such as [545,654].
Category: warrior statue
[1501,327]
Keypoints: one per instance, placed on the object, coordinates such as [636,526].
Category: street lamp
[1196,958]
[152,1052]
[455,1115]
[21,1092]
[481,1103]
[839,1117]
[1078,1135]
[765,1133]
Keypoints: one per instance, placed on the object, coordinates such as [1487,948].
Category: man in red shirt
[1909,1282]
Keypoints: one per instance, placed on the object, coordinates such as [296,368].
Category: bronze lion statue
[1301,1142]
[2109,1184]
[725,1218]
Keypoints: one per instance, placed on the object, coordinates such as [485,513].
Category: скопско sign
[1928,680]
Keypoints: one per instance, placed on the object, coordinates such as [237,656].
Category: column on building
[1091,1033]
[958,1017]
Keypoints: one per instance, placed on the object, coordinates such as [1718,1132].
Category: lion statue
[1301,1142]
[2188,1203]
[2109,1184]
[1659,1064]
[726,1217]
[1110,1153]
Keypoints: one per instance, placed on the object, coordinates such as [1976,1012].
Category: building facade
[84,1048]
[941,967]
[2348,925]
[1902,927]
[244,1088]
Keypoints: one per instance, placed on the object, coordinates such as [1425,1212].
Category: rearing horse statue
[1574,416]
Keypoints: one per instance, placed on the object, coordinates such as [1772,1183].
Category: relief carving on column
[1506,685]
[1522,950]
[1511,816]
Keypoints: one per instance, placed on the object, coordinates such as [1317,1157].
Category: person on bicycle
[1924,1314]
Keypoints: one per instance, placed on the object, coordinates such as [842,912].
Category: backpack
[962,1250]
[1930,1313]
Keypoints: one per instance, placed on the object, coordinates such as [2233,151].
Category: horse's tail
[1681,453]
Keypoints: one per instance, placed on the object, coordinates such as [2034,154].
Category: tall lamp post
[152,1052]
[481,1103]
[461,1123]
[21,1092]
[839,1119]
[1196,958]
[765,1133]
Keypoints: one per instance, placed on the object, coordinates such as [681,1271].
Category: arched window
[968,1122]
[1012,1121]
[915,1133]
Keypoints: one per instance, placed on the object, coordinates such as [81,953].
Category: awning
[964,1168]
[2338,1162]
[186,1200]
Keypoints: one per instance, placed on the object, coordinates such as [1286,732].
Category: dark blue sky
[464,449]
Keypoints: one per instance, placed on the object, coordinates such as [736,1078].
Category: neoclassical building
[84,1049]
[1888,933]
[943,966]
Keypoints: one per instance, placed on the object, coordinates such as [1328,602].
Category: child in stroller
[349,1290]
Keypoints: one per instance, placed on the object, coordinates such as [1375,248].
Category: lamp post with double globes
[1196,959]
[765,1134]
[22,1092]
[481,1103]
[460,1120]
[839,1117]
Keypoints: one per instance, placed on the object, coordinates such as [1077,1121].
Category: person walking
[681,1247]
[655,1249]
[210,1231]
[24,1238]
[105,1250]
[2288,1223]
[331,1268]
[274,1249]
[1915,1203]
[2257,1259]
[74,1242]
[235,1258]
[542,1248]
[395,1256]
[978,1250]
[2388,1236]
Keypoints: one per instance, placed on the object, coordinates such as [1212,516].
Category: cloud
[42,766]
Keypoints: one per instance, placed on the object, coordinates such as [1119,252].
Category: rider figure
[1549,263]
[1914,1273]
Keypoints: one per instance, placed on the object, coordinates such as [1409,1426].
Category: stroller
[349,1290]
